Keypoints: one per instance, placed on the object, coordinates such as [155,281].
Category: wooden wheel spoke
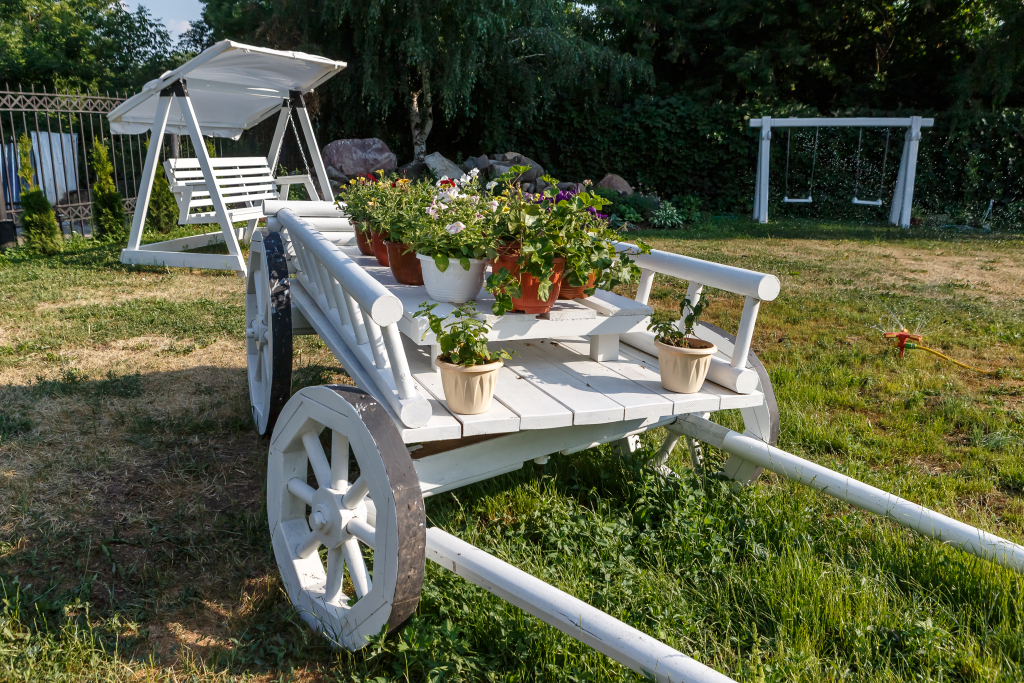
[301,490]
[317,458]
[355,494]
[308,545]
[339,460]
[356,567]
[335,573]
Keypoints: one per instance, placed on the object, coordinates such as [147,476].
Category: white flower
[491,185]
[474,172]
[493,204]
[464,179]
[432,211]
[455,228]
[438,183]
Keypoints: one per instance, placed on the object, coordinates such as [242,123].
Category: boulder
[536,170]
[509,156]
[468,165]
[498,168]
[336,176]
[617,183]
[566,187]
[357,156]
[441,167]
[482,162]
[540,184]
[414,170]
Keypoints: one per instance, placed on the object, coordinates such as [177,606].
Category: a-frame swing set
[227,89]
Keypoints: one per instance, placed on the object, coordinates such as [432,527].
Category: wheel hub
[329,518]
[257,331]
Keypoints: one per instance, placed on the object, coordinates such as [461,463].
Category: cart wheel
[372,500]
[268,329]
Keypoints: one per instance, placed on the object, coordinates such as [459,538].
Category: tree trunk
[421,115]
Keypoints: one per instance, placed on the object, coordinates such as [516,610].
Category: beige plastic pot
[469,390]
[684,370]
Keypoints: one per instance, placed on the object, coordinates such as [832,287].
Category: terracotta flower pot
[404,264]
[379,250]
[530,302]
[566,291]
[363,241]
[509,247]
[683,370]
[469,390]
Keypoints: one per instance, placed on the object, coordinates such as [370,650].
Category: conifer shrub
[109,221]
[38,222]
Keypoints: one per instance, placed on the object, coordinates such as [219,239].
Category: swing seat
[867,202]
[244,182]
[797,200]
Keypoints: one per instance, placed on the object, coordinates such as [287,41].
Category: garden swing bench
[227,89]
[349,468]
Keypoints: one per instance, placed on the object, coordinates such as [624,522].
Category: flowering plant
[464,340]
[455,223]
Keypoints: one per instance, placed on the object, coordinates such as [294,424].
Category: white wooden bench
[245,183]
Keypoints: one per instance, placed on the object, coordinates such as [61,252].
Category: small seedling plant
[464,340]
[667,331]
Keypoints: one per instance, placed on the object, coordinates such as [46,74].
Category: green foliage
[162,215]
[25,171]
[463,341]
[670,217]
[668,331]
[39,224]
[108,216]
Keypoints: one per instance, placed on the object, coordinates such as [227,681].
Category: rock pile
[348,158]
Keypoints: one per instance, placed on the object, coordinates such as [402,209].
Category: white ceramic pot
[684,370]
[469,390]
[455,285]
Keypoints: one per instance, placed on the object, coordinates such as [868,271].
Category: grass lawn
[133,535]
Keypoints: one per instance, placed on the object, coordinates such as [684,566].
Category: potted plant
[356,197]
[683,359]
[469,370]
[401,255]
[451,240]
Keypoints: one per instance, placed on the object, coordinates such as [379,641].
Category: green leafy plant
[38,222]
[667,331]
[108,217]
[464,340]
[667,217]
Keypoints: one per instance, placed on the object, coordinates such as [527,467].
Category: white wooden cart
[585,374]
[225,90]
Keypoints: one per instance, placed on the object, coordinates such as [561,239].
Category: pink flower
[493,204]
[455,228]
[432,211]
[478,216]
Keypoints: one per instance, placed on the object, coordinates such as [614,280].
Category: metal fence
[62,128]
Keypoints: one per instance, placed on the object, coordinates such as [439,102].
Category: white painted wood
[572,616]
[857,493]
[382,306]
[179,259]
[536,410]
[413,413]
[612,304]
[842,122]
[310,209]
[897,195]
[314,151]
[588,405]
[737,280]
[745,333]
[568,310]
[763,163]
[643,290]
[274,153]
[913,140]
[604,347]
[638,372]
[312,588]
[149,169]
[204,240]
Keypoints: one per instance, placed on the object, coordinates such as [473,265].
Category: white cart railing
[755,287]
[360,309]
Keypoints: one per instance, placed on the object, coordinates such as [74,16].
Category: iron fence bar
[4,174]
[85,153]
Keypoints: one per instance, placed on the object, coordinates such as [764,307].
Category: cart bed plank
[588,405]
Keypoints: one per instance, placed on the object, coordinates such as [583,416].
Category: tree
[108,215]
[38,222]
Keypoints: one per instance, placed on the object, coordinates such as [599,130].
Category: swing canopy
[232,87]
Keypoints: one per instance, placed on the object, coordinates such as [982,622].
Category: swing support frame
[903,195]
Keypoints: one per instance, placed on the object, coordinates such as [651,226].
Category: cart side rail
[361,310]
[753,286]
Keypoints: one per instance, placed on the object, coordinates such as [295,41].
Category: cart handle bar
[903,512]
[382,306]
